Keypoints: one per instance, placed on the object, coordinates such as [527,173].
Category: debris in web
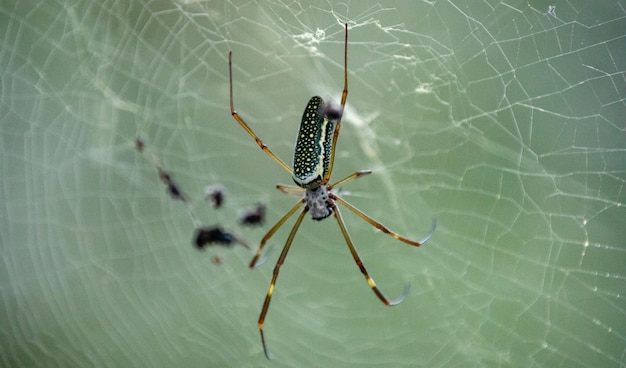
[210,235]
[205,236]
[173,189]
[216,195]
[139,144]
[253,216]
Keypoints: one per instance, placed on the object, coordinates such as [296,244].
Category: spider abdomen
[312,153]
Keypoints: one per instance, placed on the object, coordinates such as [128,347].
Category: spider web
[503,120]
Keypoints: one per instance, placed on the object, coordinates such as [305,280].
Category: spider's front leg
[243,124]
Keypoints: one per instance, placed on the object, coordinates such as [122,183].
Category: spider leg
[243,124]
[344,97]
[291,190]
[361,266]
[382,227]
[355,175]
[279,263]
[255,261]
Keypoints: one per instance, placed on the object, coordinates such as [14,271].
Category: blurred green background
[505,122]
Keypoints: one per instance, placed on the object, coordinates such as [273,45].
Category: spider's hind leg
[361,266]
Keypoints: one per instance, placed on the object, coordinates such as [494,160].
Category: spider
[314,155]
